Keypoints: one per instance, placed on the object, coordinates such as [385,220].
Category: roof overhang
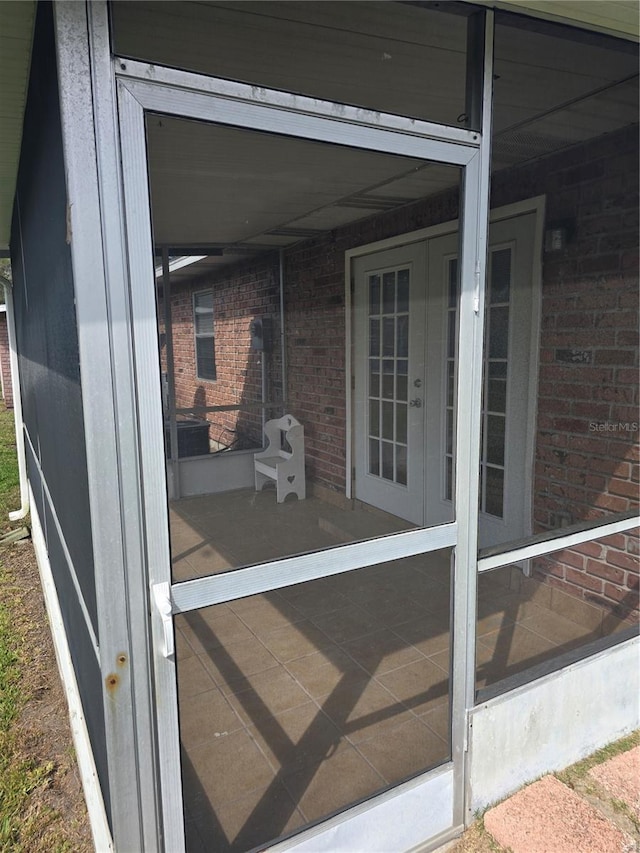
[620,18]
[16,39]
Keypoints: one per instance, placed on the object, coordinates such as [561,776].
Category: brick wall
[604,573]
[5,364]
[250,291]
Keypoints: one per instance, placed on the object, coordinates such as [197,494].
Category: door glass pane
[388,337]
[374,417]
[497,395]
[495,440]
[297,703]
[374,337]
[389,293]
[403,290]
[498,328]
[493,490]
[401,387]
[374,378]
[374,456]
[450,374]
[500,280]
[401,465]
[387,421]
[401,423]
[387,460]
[387,379]
[494,396]
[403,337]
[374,295]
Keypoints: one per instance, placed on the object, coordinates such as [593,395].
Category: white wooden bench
[284,466]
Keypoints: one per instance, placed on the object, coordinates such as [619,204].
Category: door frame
[140,88]
[536,206]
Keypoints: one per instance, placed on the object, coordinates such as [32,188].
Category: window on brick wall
[205,339]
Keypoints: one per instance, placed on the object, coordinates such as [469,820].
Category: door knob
[417,403]
[417,383]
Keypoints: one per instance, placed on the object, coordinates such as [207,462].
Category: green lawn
[9,481]
[28,822]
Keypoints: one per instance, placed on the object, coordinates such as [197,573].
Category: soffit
[620,18]
[16,34]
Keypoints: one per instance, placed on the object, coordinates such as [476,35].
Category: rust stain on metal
[122,659]
[112,681]
[68,216]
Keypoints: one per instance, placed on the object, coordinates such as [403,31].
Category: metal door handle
[162,599]
[417,403]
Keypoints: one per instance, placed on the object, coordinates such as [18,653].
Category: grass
[20,774]
[577,772]
[27,822]
[9,480]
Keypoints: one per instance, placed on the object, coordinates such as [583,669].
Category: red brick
[624,488]
[583,580]
[589,549]
[602,570]
[570,558]
[616,593]
[627,375]
[614,540]
[625,561]
[611,502]
[615,356]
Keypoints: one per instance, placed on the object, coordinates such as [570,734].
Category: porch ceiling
[551,92]
[240,192]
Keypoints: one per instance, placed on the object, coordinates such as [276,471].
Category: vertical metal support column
[88,109]
[175,491]
[474,241]
[139,249]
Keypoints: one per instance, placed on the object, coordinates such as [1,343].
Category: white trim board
[84,755]
[557,543]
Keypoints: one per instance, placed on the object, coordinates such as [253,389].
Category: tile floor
[298,702]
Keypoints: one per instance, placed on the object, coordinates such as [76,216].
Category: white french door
[390,380]
[405,375]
